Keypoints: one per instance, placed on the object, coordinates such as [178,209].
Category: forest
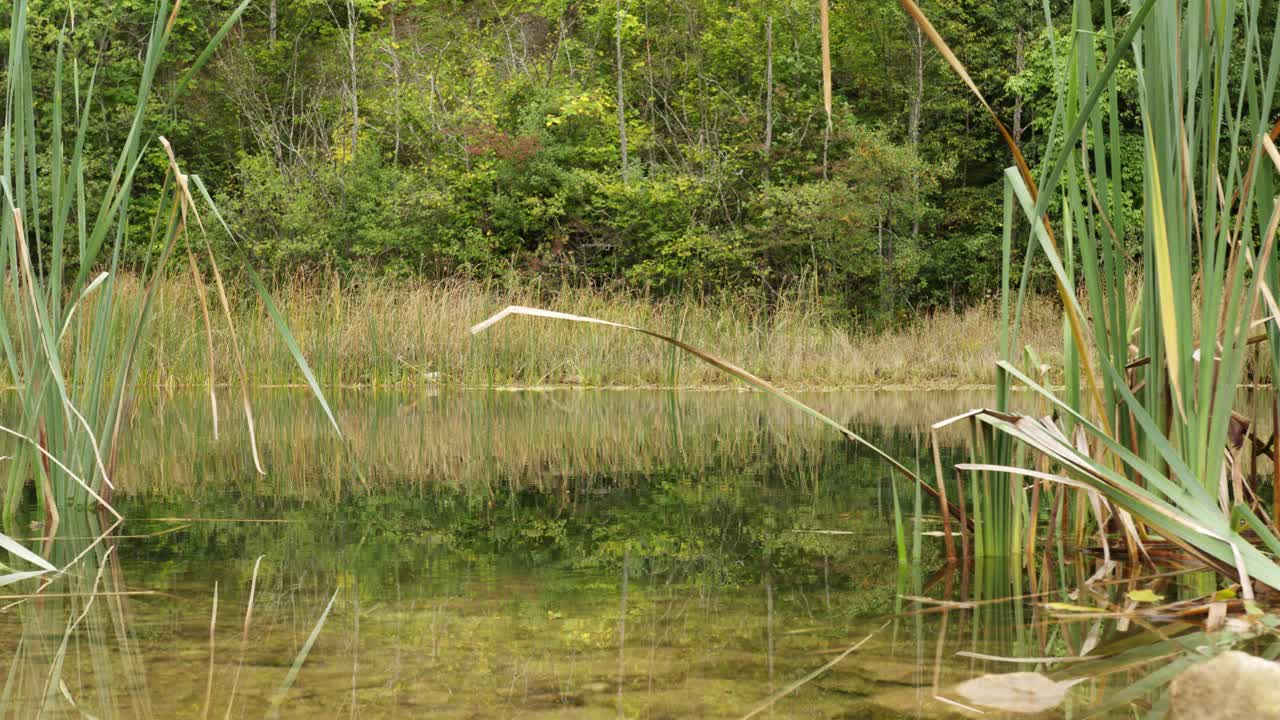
[661,147]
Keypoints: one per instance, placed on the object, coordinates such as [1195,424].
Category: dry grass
[382,333]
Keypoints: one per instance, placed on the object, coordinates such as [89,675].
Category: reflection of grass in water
[473,439]
[512,642]
[86,646]
[545,643]
[71,649]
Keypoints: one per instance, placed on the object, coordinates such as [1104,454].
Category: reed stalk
[61,236]
[1146,431]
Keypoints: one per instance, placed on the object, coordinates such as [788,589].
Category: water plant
[62,230]
[1145,434]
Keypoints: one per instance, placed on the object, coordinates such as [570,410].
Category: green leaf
[283,691]
[282,326]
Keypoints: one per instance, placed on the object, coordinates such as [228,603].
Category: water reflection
[558,555]
[485,439]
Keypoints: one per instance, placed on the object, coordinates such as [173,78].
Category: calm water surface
[539,554]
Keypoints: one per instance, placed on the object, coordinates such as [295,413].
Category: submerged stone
[1231,685]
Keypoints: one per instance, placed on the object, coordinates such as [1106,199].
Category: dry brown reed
[374,333]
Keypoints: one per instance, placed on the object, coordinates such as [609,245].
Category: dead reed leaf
[1020,692]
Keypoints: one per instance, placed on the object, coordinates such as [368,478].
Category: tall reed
[1147,442]
[61,235]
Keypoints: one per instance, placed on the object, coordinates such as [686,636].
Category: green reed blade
[283,691]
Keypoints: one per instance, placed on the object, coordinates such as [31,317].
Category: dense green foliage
[438,138]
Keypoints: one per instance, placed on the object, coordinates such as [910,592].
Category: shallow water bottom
[454,642]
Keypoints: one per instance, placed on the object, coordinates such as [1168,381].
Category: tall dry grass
[377,333]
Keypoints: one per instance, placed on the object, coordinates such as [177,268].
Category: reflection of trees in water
[518,584]
[431,613]
[711,527]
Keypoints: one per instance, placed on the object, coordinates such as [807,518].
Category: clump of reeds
[1143,443]
[61,234]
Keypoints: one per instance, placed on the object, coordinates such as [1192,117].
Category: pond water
[478,554]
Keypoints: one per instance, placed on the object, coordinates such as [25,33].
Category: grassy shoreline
[381,333]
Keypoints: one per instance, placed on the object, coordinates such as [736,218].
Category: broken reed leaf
[1020,692]
[21,551]
[12,578]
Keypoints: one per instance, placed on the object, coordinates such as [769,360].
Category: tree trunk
[1019,64]
[913,122]
[880,246]
[271,20]
[650,104]
[351,57]
[622,110]
[395,74]
[768,96]
[825,31]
